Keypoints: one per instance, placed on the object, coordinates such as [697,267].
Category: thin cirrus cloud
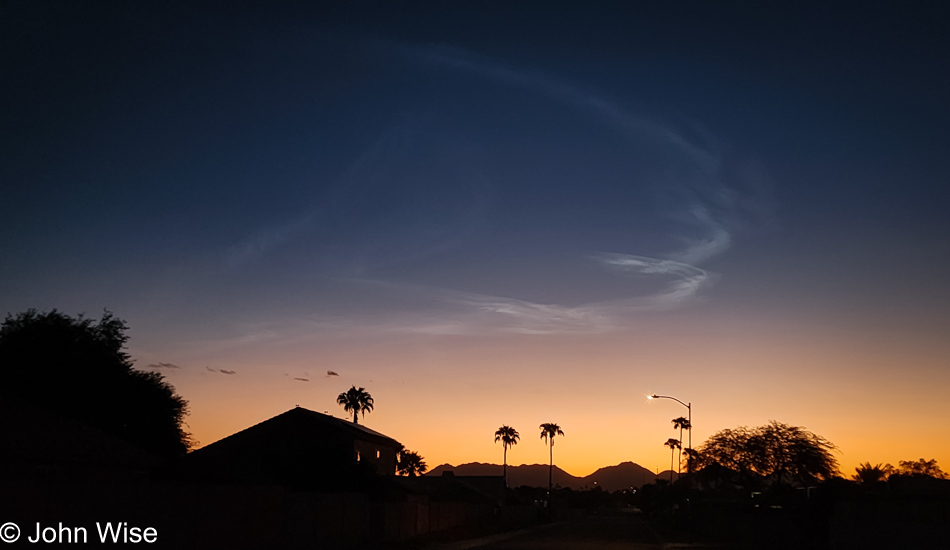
[708,207]
[607,111]
[682,282]
[266,239]
[709,210]
[709,196]
[366,171]
[447,311]
[458,312]
[687,279]
[354,216]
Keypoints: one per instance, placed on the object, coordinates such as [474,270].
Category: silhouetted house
[301,449]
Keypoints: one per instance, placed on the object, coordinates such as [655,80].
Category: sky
[495,215]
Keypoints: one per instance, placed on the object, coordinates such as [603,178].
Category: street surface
[600,533]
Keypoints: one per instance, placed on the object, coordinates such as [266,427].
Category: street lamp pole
[689,416]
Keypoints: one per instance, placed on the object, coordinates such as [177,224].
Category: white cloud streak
[715,241]
[687,279]
[467,313]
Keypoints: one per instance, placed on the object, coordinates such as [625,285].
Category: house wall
[382,457]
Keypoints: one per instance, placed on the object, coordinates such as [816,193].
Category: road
[601,533]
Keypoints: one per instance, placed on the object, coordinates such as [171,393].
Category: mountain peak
[611,478]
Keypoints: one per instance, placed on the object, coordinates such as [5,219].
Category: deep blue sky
[236,180]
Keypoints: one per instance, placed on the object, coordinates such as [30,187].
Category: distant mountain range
[611,478]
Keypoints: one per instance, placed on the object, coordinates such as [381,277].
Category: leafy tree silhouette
[548,432]
[692,457]
[921,468]
[508,437]
[775,449]
[410,463]
[682,423]
[357,400]
[77,368]
[673,444]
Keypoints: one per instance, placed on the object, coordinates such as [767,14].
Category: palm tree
[683,424]
[872,474]
[508,437]
[548,431]
[673,444]
[410,463]
[357,400]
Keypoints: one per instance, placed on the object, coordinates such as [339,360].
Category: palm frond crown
[507,435]
[549,430]
[356,400]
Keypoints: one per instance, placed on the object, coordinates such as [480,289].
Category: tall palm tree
[673,444]
[683,424]
[508,437]
[548,431]
[357,400]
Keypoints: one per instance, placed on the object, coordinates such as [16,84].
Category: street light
[689,416]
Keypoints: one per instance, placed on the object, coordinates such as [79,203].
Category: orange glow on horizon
[445,401]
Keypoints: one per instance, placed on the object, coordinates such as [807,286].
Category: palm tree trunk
[550,469]
[354,417]
[679,463]
[672,454]
[505,467]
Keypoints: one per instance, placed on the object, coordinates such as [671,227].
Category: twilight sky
[491,215]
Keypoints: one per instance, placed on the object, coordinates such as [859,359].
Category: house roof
[299,448]
[299,421]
